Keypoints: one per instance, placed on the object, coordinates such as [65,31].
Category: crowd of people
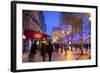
[43,48]
[46,48]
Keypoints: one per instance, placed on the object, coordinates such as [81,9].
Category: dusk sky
[51,20]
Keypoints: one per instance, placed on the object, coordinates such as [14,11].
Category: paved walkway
[70,55]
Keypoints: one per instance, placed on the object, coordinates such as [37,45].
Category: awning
[31,34]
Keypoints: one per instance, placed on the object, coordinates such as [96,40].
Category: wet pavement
[58,56]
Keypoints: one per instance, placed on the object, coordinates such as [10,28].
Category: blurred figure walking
[50,50]
[33,51]
[43,51]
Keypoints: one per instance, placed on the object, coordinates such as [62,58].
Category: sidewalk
[70,55]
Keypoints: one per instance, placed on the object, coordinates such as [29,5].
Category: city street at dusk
[56,36]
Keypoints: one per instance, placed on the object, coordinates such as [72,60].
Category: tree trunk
[72,38]
[81,37]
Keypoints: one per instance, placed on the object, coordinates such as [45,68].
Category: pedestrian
[43,51]
[33,51]
[65,48]
[56,47]
[61,48]
[50,50]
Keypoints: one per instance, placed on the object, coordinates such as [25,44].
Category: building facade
[32,21]
[60,34]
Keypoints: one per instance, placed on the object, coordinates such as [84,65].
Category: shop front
[30,36]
